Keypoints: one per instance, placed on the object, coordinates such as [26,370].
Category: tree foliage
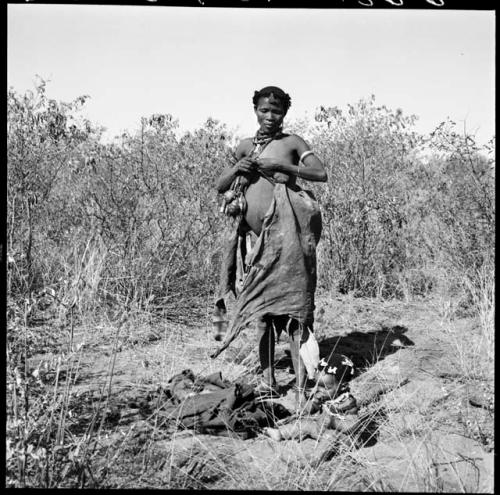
[369,150]
[45,140]
[138,218]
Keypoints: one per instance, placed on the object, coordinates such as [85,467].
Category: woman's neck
[264,135]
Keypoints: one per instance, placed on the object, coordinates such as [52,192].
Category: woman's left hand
[268,165]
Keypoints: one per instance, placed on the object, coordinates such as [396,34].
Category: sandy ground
[421,382]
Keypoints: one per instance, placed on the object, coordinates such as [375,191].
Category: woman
[280,277]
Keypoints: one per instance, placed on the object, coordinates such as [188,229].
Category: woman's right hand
[245,166]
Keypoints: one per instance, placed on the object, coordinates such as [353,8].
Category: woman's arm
[241,167]
[226,179]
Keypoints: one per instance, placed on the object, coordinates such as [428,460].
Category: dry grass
[67,427]
[111,261]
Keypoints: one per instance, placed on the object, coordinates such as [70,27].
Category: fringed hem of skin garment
[280,276]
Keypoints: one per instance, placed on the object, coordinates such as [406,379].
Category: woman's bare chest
[279,152]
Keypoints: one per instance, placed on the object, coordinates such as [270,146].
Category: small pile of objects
[211,405]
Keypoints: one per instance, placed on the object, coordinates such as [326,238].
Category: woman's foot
[266,391]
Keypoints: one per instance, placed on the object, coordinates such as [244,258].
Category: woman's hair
[276,92]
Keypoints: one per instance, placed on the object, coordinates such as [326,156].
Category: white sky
[199,62]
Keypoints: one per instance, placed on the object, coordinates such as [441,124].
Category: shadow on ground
[364,349]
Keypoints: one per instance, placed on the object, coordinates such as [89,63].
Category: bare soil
[431,411]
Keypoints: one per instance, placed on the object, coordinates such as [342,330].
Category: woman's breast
[259,196]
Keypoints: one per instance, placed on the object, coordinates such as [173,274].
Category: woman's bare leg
[266,350]
[294,339]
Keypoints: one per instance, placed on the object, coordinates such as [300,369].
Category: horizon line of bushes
[103,225]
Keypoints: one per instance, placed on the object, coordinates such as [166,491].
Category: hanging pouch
[234,203]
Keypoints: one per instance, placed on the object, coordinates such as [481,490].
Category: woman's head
[275,95]
[271,105]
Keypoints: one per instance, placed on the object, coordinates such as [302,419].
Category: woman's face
[270,114]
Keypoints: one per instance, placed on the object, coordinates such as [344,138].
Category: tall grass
[483,297]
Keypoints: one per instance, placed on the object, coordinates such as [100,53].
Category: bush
[137,220]
[134,221]
[368,151]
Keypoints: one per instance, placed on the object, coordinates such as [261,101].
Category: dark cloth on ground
[213,406]
[185,384]
[280,276]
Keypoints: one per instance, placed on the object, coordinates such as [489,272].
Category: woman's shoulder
[246,141]
[293,139]
[244,147]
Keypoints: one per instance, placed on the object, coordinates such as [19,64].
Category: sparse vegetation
[113,253]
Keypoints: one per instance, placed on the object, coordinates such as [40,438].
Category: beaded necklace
[262,138]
